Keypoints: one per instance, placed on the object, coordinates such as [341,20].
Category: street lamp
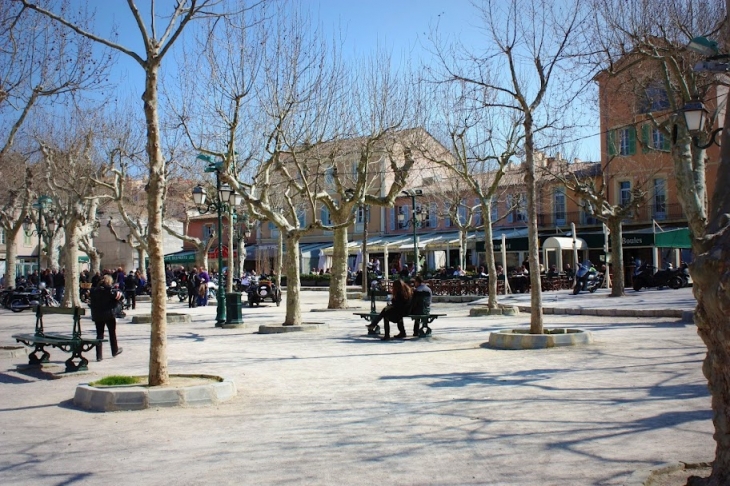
[43,203]
[415,221]
[220,205]
[695,116]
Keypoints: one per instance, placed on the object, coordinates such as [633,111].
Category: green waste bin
[233,308]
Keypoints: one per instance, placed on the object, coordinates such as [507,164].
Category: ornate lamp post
[415,221]
[220,205]
[43,203]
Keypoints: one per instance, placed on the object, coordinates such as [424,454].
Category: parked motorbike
[587,278]
[262,289]
[647,276]
[19,300]
[177,289]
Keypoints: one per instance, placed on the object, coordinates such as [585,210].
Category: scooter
[645,276]
[18,301]
[587,278]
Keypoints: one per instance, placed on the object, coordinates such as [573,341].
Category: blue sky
[399,26]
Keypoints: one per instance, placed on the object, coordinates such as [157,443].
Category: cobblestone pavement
[337,407]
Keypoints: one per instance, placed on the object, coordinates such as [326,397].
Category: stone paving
[337,407]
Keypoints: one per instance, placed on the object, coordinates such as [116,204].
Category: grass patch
[116,380]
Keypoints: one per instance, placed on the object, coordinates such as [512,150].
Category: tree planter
[522,339]
[183,391]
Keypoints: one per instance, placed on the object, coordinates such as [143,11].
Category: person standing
[193,284]
[203,287]
[130,290]
[103,302]
[59,284]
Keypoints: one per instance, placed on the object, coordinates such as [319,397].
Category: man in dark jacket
[130,290]
[59,284]
[103,302]
[193,283]
[421,302]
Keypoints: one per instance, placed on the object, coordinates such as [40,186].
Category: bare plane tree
[156,44]
[652,37]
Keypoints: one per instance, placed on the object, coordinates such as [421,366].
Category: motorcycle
[20,300]
[177,289]
[587,278]
[646,276]
[259,290]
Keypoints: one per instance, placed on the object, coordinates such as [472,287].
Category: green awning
[678,238]
[185,256]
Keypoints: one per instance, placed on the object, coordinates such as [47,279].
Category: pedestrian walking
[130,290]
[104,301]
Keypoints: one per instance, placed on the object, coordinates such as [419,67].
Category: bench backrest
[421,303]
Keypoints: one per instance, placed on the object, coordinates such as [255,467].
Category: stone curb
[172,318]
[686,316]
[505,310]
[280,328]
[13,351]
[121,398]
[521,339]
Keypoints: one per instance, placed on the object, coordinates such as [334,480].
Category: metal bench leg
[33,359]
[83,363]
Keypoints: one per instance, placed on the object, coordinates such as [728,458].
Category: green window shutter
[646,138]
[611,142]
[666,145]
[632,140]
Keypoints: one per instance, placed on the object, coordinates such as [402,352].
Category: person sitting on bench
[399,307]
[421,302]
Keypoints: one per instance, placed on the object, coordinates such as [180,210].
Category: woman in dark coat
[399,307]
[103,302]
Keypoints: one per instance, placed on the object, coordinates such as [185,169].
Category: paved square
[338,407]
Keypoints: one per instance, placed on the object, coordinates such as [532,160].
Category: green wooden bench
[72,343]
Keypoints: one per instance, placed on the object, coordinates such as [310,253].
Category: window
[654,138]
[559,206]
[325,216]
[425,213]
[447,215]
[329,176]
[624,193]
[517,208]
[659,205]
[587,213]
[494,209]
[433,219]
[477,213]
[2,236]
[654,98]
[208,231]
[622,141]
[302,217]
[360,217]
[404,210]
[462,212]
[391,219]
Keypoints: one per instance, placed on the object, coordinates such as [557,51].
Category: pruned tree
[650,38]
[482,144]
[589,186]
[526,67]
[156,44]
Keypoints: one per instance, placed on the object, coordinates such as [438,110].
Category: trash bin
[233,308]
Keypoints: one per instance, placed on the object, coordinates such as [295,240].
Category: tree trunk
[94,261]
[617,258]
[11,255]
[489,249]
[536,320]
[338,274]
[293,308]
[71,251]
[158,371]
[141,254]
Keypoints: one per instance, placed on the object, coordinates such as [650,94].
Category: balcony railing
[645,214]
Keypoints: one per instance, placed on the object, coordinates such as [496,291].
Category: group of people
[197,283]
[404,301]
